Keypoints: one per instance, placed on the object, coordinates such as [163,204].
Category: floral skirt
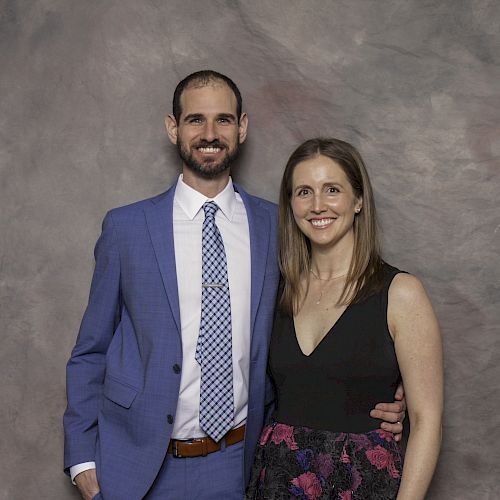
[299,462]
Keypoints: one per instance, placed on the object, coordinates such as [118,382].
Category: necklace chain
[327,279]
[322,289]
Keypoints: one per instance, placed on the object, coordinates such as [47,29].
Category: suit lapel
[160,225]
[258,223]
[161,229]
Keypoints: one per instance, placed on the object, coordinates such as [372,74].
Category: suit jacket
[123,376]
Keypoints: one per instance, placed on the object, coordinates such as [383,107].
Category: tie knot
[210,207]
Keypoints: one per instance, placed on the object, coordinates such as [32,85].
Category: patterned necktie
[214,347]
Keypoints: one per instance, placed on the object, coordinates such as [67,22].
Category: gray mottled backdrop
[415,84]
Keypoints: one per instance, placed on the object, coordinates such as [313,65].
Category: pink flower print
[388,436]
[282,432]
[383,459]
[309,484]
[346,495]
[379,457]
[266,432]
[344,457]
[391,468]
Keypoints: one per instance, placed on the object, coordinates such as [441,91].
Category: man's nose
[209,131]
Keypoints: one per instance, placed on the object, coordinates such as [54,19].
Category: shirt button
[170,419]
[176,368]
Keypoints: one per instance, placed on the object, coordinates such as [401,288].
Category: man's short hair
[203,78]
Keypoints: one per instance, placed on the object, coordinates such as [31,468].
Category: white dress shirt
[231,219]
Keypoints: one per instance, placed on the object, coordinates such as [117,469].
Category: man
[167,388]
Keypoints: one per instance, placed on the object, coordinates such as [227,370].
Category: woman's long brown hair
[365,275]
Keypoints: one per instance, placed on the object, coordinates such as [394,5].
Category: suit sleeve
[86,367]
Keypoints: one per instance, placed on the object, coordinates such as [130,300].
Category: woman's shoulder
[405,286]
[407,299]
[400,281]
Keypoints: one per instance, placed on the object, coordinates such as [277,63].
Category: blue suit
[123,376]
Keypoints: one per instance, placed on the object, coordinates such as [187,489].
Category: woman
[348,328]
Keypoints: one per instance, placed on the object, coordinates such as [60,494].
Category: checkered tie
[214,349]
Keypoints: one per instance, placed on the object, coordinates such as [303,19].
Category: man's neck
[208,187]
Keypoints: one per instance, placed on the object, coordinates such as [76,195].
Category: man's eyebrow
[192,116]
[199,116]
[227,116]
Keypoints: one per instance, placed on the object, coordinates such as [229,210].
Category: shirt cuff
[76,469]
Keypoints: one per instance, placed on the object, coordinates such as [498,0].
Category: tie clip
[213,285]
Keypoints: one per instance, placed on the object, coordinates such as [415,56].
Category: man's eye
[224,120]
[195,120]
[333,189]
[303,192]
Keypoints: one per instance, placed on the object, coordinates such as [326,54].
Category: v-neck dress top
[353,368]
[322,443]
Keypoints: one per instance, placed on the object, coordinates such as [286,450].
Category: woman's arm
[417,341]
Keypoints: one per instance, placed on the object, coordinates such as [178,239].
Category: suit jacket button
[170,419]
[176,368]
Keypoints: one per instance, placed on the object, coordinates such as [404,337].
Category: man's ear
[171,126]
[242,127]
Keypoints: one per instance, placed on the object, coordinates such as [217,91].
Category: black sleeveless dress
[322,443]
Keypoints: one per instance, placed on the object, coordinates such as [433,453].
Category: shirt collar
[191,201]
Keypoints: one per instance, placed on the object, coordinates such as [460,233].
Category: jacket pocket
[118,392]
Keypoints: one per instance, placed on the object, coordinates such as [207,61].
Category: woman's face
[323,201]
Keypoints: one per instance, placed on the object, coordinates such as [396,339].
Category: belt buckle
[175,451]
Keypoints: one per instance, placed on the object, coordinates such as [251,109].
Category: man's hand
[392,414]
[87,483]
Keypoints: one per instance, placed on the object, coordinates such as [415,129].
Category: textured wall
[84,89]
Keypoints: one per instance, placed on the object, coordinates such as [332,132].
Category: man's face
[208,133]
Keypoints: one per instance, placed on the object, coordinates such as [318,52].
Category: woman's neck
[331,262]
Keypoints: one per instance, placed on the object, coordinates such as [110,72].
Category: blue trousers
[217,476]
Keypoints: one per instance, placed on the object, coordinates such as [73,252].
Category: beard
[208,169]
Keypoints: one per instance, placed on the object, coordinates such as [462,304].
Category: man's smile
[209,150]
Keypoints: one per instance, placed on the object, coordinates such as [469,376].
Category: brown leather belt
[201,447]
